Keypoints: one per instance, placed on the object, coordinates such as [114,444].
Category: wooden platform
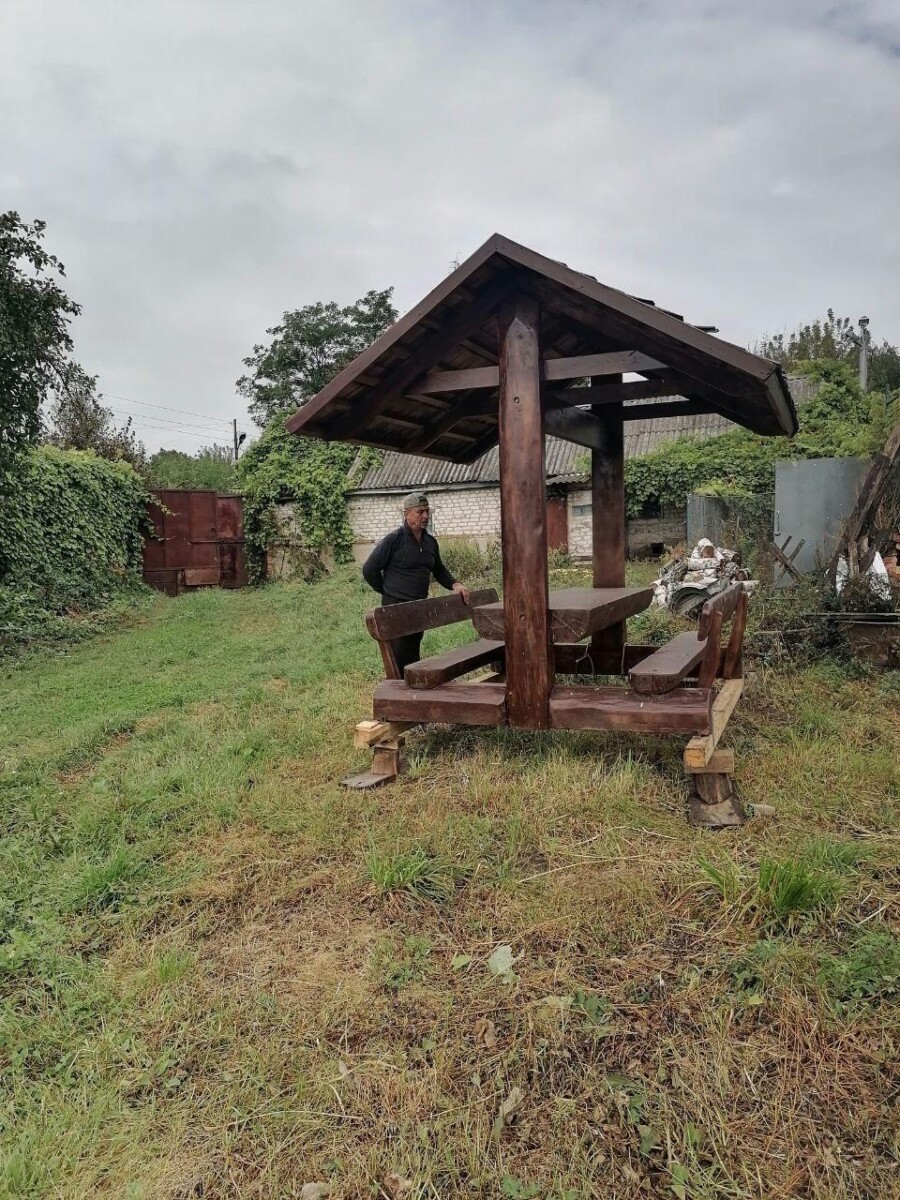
[583,707]
[454,703]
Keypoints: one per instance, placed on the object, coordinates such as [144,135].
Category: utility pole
[863,353]
[236,443]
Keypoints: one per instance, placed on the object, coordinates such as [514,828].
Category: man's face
[417,518]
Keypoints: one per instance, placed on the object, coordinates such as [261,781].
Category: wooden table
[575,613]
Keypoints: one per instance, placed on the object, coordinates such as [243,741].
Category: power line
[160,422]
[184,411]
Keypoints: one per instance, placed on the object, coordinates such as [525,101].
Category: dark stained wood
[456,703]
[529,657]
[677,408]
[686,710]
[578,367]
[733,666]
[475,406]
[441,668]
[669,666]
[724,602]
[608,526]
[711,657]
[613,393]
[575,613]
[397,620]
[570,659]
[389,660]
[576,425]
[431,348]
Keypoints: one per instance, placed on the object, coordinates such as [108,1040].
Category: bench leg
[386,766]
[714,802]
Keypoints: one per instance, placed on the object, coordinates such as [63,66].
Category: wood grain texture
[570,659]
[416,616]
[686,710]
[669,666]
[733,666]
[455,703]
[699,750]
[724,602]
[523,516]
[367,733]
[441,668]
[575,613]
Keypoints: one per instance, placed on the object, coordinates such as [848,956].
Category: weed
[789,888]
[868,975]
[397,969]
[422,875]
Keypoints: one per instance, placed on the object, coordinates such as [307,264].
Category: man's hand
[462,590]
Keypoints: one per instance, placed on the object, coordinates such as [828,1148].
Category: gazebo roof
[398,395]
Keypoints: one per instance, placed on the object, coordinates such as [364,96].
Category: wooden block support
[699,750]
[368,733]
[721,763]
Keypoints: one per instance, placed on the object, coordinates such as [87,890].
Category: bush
[71,536]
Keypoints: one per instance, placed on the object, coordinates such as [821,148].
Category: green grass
[221,971]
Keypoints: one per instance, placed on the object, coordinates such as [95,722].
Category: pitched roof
[374,401]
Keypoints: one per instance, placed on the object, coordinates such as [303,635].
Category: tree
[211,468]
[34,336]
[834,338]
[308,349]
[80,421]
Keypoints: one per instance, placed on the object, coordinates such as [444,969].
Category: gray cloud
[203,166]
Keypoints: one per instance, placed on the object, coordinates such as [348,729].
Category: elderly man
[401,565]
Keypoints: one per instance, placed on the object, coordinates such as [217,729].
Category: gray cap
[415,500]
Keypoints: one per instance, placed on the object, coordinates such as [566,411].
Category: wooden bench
[417,616]
[679,658]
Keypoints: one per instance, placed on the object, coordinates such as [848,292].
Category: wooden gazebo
[499,352]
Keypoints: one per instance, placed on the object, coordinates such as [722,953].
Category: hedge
[71,529]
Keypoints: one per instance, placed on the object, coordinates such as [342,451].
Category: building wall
[472,513]
[667,529]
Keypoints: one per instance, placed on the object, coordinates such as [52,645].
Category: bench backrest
[416,616]
[732,602]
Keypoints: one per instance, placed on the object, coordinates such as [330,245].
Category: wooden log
[416,616]
[523,509]
[441,668]
[669,666]
[608,526]
[456,703]
[699,750]
[686,710]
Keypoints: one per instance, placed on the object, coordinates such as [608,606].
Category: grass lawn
[515,973]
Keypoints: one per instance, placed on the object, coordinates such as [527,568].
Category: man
[401,565]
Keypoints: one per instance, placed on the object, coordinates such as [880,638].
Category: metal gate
[198,542]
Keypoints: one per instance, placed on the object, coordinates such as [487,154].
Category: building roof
[566,461]
[383,399]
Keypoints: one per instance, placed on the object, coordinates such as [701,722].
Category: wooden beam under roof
[461,322]
[581,366]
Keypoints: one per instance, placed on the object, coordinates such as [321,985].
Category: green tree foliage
[838,420]
[71,534]
[34,337]
[314,476]
[308,349]
[211,468]
[80,421]
[833,339]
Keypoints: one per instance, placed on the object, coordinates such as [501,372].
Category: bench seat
[669,666]
[441,668]
[686,710]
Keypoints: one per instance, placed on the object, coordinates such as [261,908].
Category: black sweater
[400,567]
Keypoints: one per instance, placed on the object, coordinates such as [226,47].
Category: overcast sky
[202,166]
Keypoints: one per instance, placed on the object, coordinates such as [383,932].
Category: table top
[575,613]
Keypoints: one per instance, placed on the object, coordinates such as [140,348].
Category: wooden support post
[608,517]
[523,518]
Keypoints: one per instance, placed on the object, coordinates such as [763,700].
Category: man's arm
[374,566]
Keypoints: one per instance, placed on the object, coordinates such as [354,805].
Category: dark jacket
[400,568]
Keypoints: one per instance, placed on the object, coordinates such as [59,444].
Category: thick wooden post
[523,518]
[608,517]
